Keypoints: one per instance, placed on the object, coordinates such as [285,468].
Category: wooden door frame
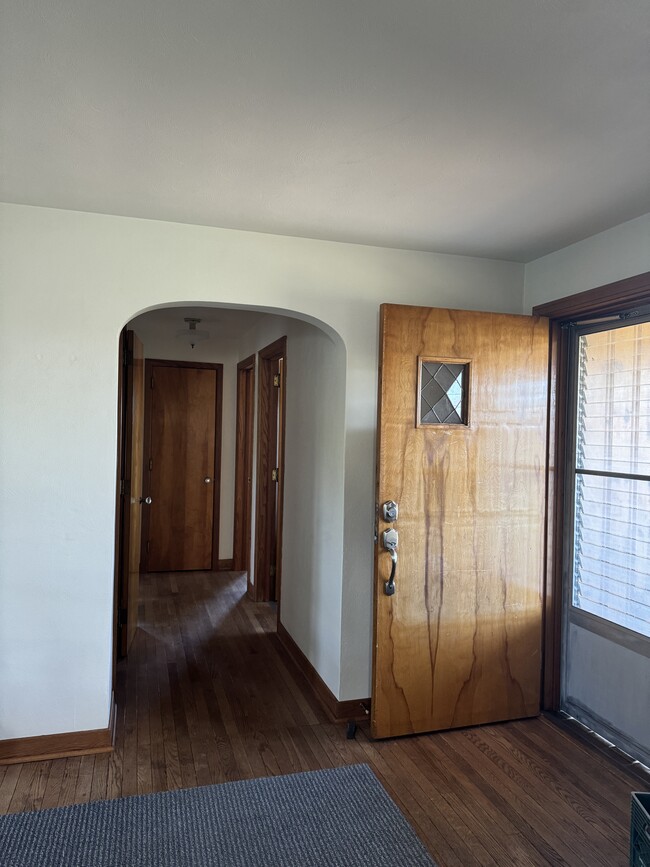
[127,598]
[119,498]
[604,300]
[150,363]
[243,504]
[265,488]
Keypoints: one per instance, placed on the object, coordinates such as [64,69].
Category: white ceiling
[504,128]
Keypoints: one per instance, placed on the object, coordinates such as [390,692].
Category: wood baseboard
[225,565]
[60,746]
[337,711]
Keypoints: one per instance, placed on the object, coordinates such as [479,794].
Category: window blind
[611,569]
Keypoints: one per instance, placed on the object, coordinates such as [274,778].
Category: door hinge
[151,381]
[276,380]
[148,546]
[272,571]
[275,474]
[121,487]
[122,614]
[150,464]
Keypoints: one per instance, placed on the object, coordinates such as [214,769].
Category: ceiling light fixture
[192,334]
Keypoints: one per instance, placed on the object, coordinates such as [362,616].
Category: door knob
[207,480]
[145,500]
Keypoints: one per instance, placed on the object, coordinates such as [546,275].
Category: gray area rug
[339,818]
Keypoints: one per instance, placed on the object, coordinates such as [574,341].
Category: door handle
[145,500]
[389,540]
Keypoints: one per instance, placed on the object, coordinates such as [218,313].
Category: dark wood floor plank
[303,749]
[574,813]
[39,785]
[568,849]
[463,786]
[20,800]
[232,732]
[604,815]
[85,779]
[129,698]
[170,759]
[457,813]
[448,843]
[99,785]
[209,694]
[206,757]
[145,691]
[116,758]
[602,779]
[322,757]
[8,786]
[69,782]
[183,739]
[490,799]
[53,786]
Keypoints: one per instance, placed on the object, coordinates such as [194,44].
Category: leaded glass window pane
[443,393]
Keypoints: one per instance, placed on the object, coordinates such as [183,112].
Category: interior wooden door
[271,412]
[462,451]
[182,468]
[132,491]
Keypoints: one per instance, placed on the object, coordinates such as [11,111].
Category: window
[443,387]
[610,568]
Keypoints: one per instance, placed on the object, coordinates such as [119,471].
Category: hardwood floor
[208,694]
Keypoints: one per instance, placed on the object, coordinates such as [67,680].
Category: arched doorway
[315,446]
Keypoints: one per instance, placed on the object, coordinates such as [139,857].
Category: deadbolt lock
[390,511]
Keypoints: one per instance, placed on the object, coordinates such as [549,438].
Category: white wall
[70,281]
[606,686]
[312,548]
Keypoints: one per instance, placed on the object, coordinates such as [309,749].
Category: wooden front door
[462,451]
[182,470]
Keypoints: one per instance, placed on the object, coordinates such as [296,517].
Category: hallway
[208,695]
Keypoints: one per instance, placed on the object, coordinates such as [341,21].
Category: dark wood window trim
[612,298]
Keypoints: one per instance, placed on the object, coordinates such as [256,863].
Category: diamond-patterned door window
[443,393]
